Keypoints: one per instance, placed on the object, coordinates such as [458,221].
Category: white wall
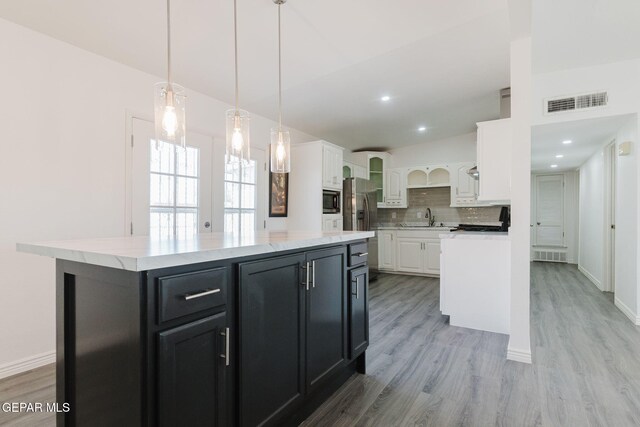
[592,202]
[62,167]
[457,149]
[571,197]
[521,91]
[627,281]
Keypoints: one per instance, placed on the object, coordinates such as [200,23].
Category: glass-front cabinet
[376,175]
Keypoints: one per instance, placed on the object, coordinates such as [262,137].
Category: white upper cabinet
[332,167]
[429,176]
[395,188]
[464,188]
[352,170]
[494,161]
[376,164]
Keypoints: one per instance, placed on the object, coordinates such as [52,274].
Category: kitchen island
[213,330]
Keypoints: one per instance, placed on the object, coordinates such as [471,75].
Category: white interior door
[549,226]
[170,187]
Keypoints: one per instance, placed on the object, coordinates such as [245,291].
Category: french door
[171,187]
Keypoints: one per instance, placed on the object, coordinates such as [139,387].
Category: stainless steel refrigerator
[360,212]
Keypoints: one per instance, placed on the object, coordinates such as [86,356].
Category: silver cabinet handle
[201,294]
[357,287]
[361,254]
[313,273]
[225,356]
[306,283]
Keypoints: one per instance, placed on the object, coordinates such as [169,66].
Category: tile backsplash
[439,201]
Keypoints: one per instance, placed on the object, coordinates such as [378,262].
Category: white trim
[27,364]
[522,356]
[627,311]
[591,277]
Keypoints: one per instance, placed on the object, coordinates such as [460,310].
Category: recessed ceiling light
[567,141]
[554,166]
[559,156]
[422,128]
[385,98]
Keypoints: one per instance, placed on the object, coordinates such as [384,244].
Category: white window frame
[240,210]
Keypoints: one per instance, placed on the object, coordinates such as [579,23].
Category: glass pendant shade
[170,113]
[280,151]
[238,138]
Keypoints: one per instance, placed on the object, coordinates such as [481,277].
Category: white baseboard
[627,311]
[522,356]
[27,364]
[590,277]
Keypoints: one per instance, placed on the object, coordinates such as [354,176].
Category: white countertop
[413,227]
[144,253]
[476,235]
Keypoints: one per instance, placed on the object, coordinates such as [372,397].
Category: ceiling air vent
[577,102]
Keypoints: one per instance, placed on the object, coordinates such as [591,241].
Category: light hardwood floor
[421,371]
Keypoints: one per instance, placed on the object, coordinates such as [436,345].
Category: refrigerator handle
[366,211]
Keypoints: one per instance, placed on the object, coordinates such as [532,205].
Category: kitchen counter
[141,253]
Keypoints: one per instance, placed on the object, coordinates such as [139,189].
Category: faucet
[430,217]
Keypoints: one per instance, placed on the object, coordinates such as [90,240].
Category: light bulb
[280,152]
[170,121]
[237,141]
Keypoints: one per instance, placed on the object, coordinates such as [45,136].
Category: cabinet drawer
[358,254]
[188,293]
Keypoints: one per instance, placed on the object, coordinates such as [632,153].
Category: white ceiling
[577,33]
[442,62]
[587,137]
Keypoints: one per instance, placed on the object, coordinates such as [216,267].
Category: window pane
[231,221]
[231,195]
[161,223]
[249,173]
[161,190]
[232,172]
[248,222]
[187,161]
[248,196]
[161,158]
[186,222]
[187,191]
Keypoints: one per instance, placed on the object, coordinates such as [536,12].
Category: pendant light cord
[235,37]
[169,42]
[279,71]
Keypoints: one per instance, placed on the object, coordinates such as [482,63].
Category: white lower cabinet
[386,250]
[413,251]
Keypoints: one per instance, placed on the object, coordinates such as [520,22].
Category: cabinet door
[272,336]
[432,256]
[327,224]
[326,315]
[327,167]
[410,255]
[393,185]
[192,380]
[494,160]
[466,185]
[339,224]
[358,311]
[387,250]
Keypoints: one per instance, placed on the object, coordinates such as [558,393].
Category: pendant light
[238,142]
[280,137]
[169,102]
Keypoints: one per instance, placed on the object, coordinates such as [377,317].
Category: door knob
[207,224]
[538,223]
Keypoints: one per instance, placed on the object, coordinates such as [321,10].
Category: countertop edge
[152,262]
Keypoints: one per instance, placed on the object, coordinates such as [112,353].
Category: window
[240,197]
[173,184]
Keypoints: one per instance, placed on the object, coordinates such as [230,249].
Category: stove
[478,227]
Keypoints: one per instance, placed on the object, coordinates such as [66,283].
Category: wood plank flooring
[423,372]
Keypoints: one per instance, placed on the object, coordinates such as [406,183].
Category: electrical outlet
[393,215]
[419,215]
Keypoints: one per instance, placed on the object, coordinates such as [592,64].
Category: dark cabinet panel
[358,311]
[271,338]
[192,380]
[327,312]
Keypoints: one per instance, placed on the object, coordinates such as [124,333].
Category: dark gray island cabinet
[213,332]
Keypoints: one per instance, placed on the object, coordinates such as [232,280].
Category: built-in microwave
[330,202]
